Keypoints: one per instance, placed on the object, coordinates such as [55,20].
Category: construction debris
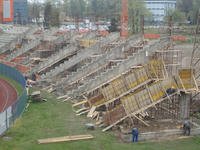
[36,97]
[65,139]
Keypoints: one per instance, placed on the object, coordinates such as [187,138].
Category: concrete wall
[153,135]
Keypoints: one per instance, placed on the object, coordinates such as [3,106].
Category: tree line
[186,11]
[55,10]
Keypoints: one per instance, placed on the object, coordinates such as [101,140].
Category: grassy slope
[56,118]
[17,86]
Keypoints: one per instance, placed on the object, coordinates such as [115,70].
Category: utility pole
[170,26]
[124,20]
[142,24]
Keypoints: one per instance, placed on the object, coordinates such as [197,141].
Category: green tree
[47,14]
[190,8]
[177,16]
[136,9]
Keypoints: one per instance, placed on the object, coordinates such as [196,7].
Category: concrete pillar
[184,106]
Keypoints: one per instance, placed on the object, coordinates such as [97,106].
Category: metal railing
[14,111]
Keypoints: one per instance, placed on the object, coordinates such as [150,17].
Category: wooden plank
[195,82]
[92,110]
[65,139]
[62,97]
[82,109]
[83,113]
[141,121]
[79,103]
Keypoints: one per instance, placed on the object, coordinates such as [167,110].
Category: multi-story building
[159,8]
[20,11]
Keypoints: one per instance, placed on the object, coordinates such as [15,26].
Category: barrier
[151,36]
[180,38]
[8,117]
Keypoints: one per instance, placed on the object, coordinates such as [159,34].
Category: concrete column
[184,106]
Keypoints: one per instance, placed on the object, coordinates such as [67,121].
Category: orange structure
[151,36]
[6,10]
[124,19]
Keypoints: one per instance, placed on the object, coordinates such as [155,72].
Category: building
[15,11]
[159,8]
[20,11]
[6,11]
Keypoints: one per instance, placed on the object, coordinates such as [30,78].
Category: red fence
[151,36]
[180,38]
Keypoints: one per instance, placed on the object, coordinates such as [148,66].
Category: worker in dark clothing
[186,128]
[134,135]
[33,77]
[171,90]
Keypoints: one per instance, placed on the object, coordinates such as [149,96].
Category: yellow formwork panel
[156,91]
[86,43]
[169,83]
[99,102]
[119,86]
[108,92]
[186,76]
[131,80]
[156,68]
[130,103]
[142,75]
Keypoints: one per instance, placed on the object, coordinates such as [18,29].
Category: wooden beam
[62,97]
[77,104]
[195,82]
[91,112]
[141,120]
[82,109]
[84,112]
[65,139]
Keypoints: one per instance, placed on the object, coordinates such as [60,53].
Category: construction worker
[33,76]
[135,135]
[186,128]
[171,90]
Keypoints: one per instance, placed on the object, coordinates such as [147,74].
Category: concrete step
[86,53]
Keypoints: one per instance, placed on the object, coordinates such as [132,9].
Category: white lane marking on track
[6,94]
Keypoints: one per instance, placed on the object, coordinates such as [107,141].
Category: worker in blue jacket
[135,135]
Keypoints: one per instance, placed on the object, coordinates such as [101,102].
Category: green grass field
[55,118]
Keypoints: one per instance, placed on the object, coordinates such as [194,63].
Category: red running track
[8,95]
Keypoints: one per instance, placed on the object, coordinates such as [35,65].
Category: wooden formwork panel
[141,75]
[169,83]
[108,92]
[119,86]
[97,100]
[186,77]
[131,80]
[143,98]
[136,101]
[114,115]
[156,69]
[156,91]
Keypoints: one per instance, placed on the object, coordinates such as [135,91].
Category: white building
[159,8]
